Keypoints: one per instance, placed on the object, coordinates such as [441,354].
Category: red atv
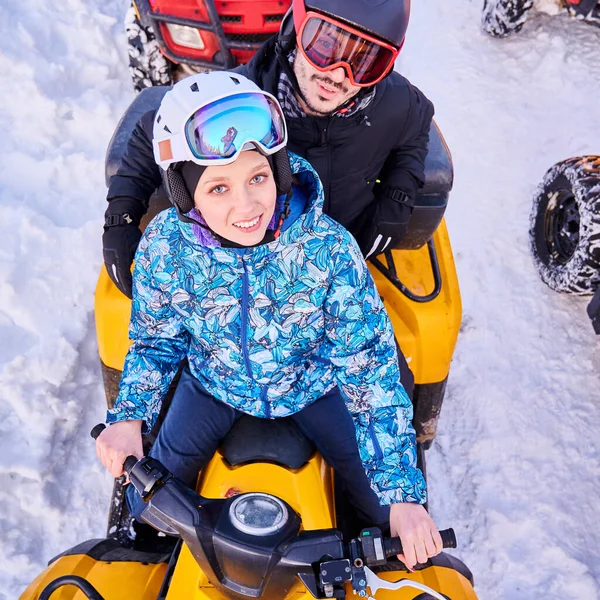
[168,39]
[503,17]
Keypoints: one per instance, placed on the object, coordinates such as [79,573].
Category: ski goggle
[216,133]
[328,44]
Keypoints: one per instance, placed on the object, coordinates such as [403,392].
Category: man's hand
[419,536]
[117,442]
[120,240]
[387,222]
[382,236]
[119,244]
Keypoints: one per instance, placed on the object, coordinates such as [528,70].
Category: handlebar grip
[393,546]
[97,430]
[129,463]
[448,538]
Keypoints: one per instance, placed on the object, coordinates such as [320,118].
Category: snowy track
[516,466]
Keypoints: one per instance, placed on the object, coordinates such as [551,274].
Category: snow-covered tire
[147,64]
[565,226]
[503,17]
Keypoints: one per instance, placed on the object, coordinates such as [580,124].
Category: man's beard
[332,84]
[302,76]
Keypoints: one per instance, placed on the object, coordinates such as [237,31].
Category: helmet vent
[159,119]
[194,87]
[235,80]
[167,129]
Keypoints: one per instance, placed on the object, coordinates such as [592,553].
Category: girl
[272,305]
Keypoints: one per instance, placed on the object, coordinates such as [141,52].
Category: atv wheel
[147,65]
[503,17]
[565,226]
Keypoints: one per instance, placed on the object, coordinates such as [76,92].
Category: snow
[550,7]
[515,468]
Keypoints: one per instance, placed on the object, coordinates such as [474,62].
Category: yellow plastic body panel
[112,580]
[112,311]
[308,490]
[427,332]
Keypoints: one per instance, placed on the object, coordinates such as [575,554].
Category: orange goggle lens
[327,44]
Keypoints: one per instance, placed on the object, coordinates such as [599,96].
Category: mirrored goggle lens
[326,44]
[220,129]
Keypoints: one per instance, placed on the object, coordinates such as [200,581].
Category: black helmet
[387,19]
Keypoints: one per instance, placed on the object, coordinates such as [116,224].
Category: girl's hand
[419,536]
[117,442]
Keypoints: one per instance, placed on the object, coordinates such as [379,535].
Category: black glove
[386,226]
[120,241]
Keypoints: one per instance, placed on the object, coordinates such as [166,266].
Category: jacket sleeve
[160,342]
[138,175]
[404,169]
[362,351]
[399,180]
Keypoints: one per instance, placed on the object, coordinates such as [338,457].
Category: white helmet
[208,118]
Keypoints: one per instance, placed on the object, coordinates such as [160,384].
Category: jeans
[196,423]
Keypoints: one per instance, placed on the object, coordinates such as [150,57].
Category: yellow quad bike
[267,520]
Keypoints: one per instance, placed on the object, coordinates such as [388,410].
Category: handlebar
[130,461]
[175,509]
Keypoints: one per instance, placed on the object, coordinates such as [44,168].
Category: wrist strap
[397,195]
[114,220]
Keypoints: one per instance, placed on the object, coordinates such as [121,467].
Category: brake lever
[375,583]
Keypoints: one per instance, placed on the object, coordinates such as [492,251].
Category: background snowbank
[515,468]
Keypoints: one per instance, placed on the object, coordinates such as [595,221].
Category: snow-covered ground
[516,466]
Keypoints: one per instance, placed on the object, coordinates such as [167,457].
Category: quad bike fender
[114,580]
[426,331]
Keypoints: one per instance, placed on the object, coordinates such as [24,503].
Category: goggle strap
[299,13]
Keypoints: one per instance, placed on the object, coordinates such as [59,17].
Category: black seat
[257,440]
[148,99]
[432,199]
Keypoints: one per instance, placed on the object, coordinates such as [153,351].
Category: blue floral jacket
[271,329]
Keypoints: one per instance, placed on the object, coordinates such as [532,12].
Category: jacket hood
[306,208]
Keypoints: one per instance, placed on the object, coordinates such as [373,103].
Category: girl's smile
[237,201]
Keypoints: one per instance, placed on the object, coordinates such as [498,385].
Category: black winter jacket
[386,141]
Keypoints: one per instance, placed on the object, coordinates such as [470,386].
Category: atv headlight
[182,35]
[258,514]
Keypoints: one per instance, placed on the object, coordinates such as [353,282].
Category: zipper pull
[324,137]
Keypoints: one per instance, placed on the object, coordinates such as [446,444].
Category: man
[363,127]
